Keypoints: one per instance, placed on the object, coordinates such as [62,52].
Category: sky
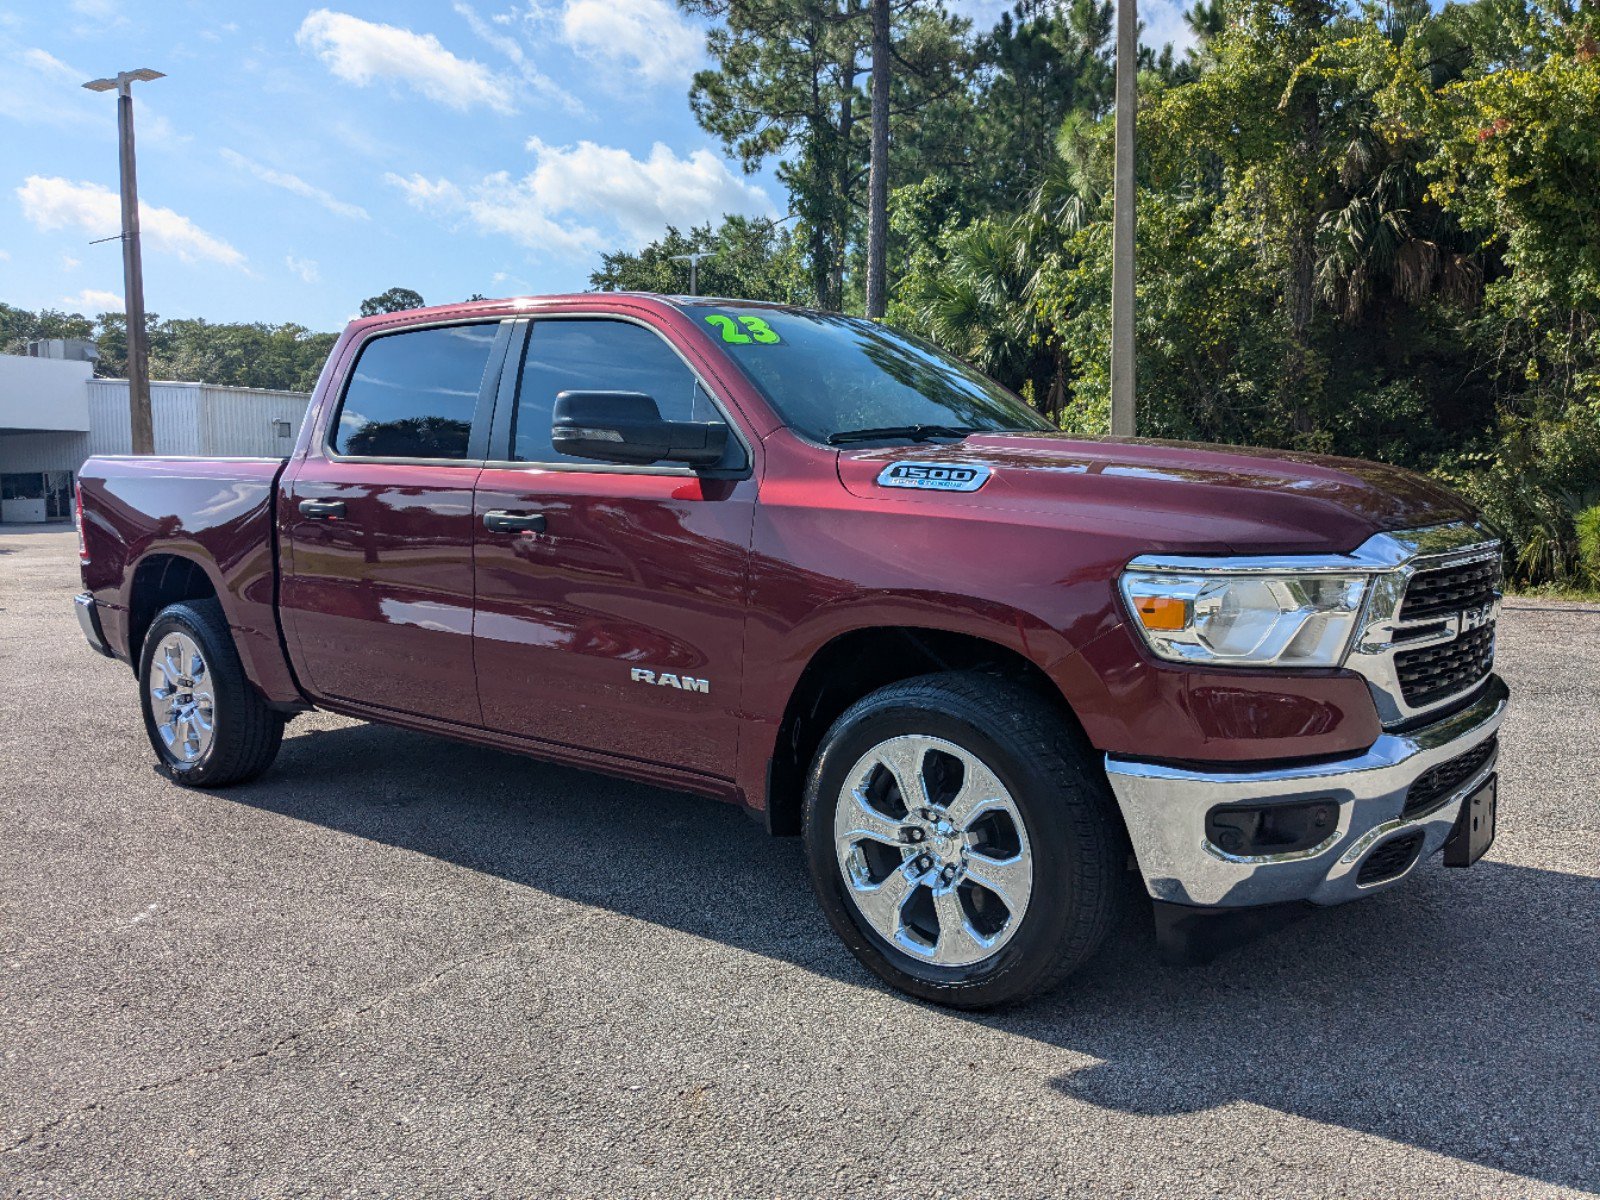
[298,158]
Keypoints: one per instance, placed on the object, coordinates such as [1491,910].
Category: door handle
[498,520]
[322,510]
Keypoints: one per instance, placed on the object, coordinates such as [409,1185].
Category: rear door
[378,527]
[617,626]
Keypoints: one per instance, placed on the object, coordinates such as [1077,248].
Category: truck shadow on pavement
[1459,1014]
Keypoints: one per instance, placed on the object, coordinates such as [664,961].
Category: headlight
[1276,618]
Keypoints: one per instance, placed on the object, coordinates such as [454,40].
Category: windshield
[837,378]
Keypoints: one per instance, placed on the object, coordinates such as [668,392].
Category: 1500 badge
[937,477]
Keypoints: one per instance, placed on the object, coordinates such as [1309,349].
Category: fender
[787,654]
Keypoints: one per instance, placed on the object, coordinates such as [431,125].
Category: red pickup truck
[806,564]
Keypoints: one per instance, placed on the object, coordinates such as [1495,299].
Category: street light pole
[694,267]
[142,427]
[1122,223]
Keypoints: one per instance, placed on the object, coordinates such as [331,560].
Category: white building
[54,414]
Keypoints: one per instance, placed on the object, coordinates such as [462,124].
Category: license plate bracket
[1475,826]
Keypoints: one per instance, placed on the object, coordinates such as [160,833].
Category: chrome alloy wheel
[182,703]
[933,850]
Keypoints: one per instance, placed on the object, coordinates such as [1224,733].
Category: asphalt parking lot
[398,966]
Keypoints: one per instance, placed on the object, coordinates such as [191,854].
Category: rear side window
[598,355]
[412,395]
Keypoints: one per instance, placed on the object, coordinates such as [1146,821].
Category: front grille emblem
[1474,618]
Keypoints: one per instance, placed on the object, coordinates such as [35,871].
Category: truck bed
[208,515]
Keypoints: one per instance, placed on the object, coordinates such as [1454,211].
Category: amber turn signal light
[1162,612]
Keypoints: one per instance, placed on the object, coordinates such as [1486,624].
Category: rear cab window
[413,394]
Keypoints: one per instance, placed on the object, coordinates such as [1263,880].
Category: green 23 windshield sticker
[755,330]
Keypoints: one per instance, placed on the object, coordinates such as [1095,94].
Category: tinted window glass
[828,374]
[412,394]
[599,356]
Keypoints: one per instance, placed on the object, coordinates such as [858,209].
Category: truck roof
[601,300]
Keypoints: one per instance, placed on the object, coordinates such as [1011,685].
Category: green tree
[396,299]
[789,83]
[754,259]
[18,326]
[1042,63]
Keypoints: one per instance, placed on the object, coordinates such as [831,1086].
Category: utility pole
[143,429]
[694,267]
[1122,224]
[878,169]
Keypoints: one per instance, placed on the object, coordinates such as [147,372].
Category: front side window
[598,355]
[833,377]
[412,395]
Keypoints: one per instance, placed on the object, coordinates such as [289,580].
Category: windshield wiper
[916,433]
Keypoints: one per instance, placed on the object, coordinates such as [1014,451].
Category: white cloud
[37,88]
[502,206]
[50,202]
[98,16]
[153,128]
[5,256]
[293,183]
[306,268]
[360,52]
[649,37]
[1163,23]
[583,198]
[509,46]
[46,63]
[92,300]
[68,263]
[428,193]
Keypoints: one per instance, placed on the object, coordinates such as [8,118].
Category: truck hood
[1175,495]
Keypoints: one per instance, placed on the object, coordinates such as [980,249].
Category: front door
[616,626]
[378,525]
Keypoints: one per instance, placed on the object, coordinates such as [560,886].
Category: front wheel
[207,724]
[959,841]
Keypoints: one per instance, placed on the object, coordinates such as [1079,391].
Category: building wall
[53,415]
[42,451]
[43,393]
[237,421]
[174,414]
[197,419]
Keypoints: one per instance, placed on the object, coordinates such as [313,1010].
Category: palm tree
[981,304]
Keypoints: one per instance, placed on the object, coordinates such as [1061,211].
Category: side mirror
[626,427]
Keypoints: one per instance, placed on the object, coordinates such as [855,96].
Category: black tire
[1076,838]
[245,733]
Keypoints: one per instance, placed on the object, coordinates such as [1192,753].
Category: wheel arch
[858,661]
[161,578]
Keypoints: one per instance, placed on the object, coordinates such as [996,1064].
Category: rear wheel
[207,724]
[959,841]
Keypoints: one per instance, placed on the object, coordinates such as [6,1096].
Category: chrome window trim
[397,461]
[598,467]
[1390,559]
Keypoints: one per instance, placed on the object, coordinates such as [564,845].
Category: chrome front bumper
[1165,809]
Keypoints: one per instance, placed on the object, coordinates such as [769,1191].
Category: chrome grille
[1392,858]
[1436,672]
[1427,637]
[1437,785]
[1447,590]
